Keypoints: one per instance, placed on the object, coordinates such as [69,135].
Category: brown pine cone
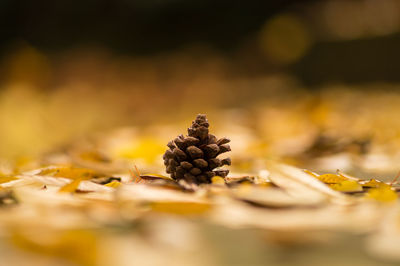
[194,158]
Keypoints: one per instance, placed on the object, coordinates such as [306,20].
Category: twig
[395,179]
[136,175]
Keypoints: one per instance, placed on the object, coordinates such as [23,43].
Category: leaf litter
[74,212]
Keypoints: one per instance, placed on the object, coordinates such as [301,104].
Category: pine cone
[193,158]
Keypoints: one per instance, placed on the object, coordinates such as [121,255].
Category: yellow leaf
[113,184]
[328,178]
[71,187]
[373,183]
[266,184]
[332,178]
[147,148]
[156,175]
[217,180]
[299,184]
[182,208]
[69,172]
[92,156]
[77,246]
[311,173]
[383,194]
[5,179]
[347,186]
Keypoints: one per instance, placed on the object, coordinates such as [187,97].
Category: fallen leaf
[155,176]
[373,183]
[217,180]
[310,173]
[181,208]
[68,172]
[268,196]
[332,178]
[383,194]
[71,187]
[299,184]
[347,186]
[6,179]
[113,184]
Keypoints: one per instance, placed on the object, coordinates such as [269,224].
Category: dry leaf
[113,184]
[373,183]
[301,185]
[71,187]
[268,196]
[332,178]
[155,176]
[347,186]
[182,208]
[68,172]
[217,180]
[383,194]
[6,179]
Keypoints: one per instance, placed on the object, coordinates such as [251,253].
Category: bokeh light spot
[284,39]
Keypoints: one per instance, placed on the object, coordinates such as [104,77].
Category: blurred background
[103,85]
[288,78]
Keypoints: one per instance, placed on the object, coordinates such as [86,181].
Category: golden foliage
[382,194]
[347,186]
[71,187]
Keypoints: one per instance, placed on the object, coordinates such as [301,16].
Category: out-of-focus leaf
[71,187]
[146,148]
[347,186]
[217,180]
[373,183]
[182,208]
[361,218]
[268,196]
[299,184]
[69,172]
[105,180]
[88,186]
[5,179]
[332,178]
[93,156]
[145,193]
[155,176]
[77,246]
[236,180]
[311,173]
[383,194]
[329,178]
[113,184]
